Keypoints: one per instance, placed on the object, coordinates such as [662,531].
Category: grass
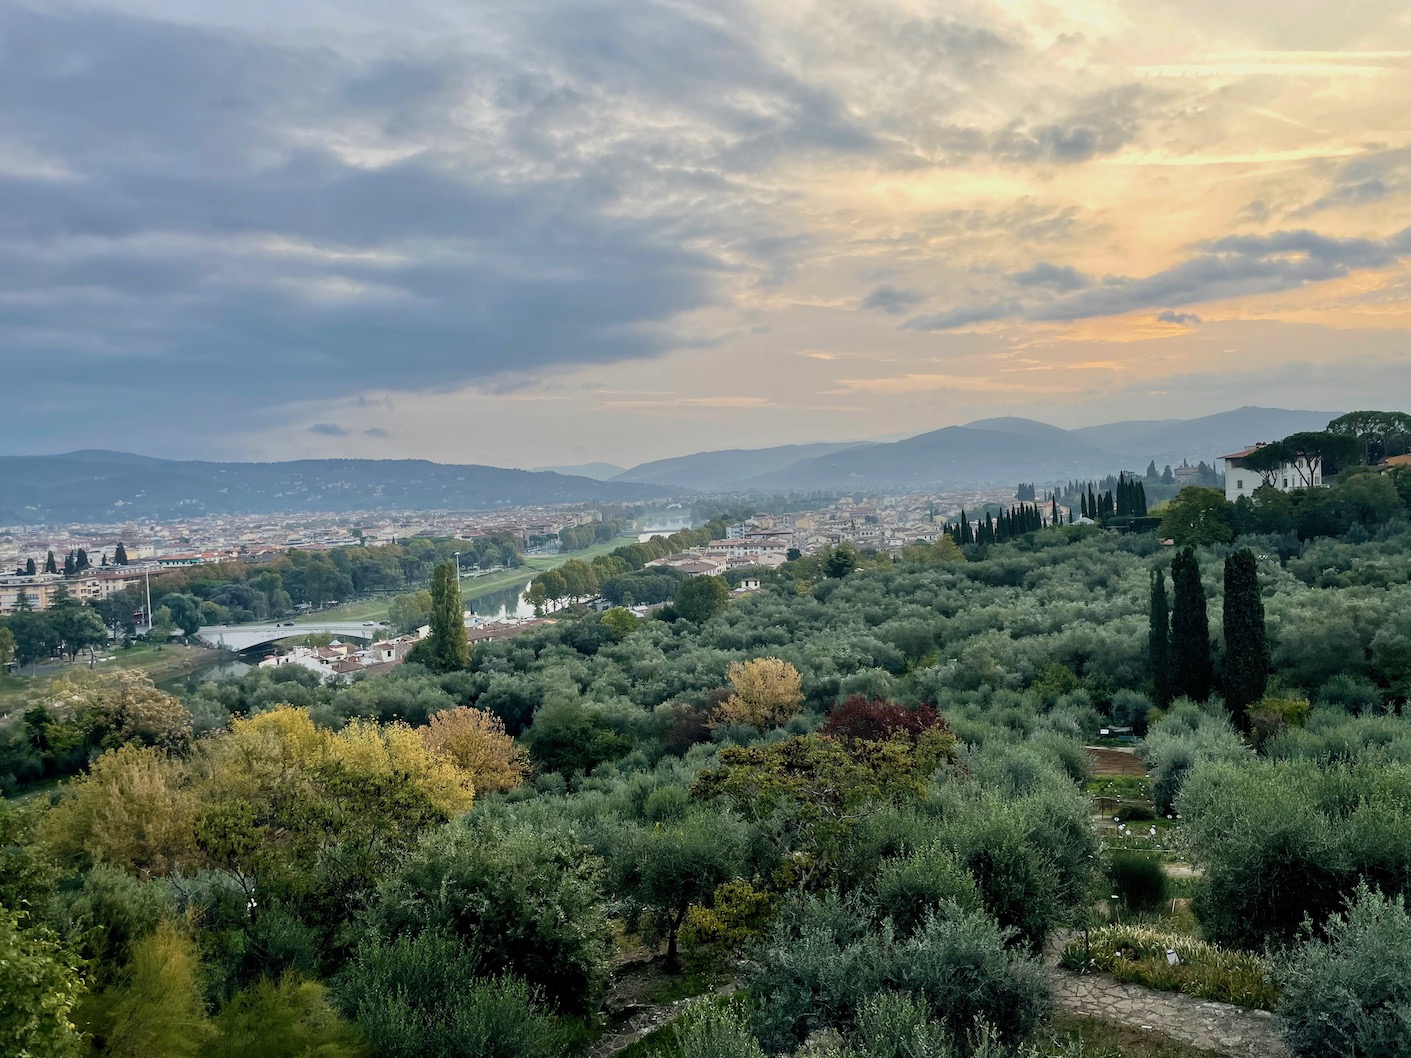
[1079,1037]
[1137,955]
[1069,1036]
[172,660]
[377,609]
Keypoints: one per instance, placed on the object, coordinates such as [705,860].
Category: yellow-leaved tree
[766,693]
[155,1009]
[479,745]
[133,811]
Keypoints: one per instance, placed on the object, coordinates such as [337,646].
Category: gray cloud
[1366,179]
[1237,265]
[1051,277]
[244,218]
[893,300]
[964,316]
[1170,316]
[375,431]
[330,429]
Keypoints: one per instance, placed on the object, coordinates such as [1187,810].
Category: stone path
[1219,1027]
[642,1019]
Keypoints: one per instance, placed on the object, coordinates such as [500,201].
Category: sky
[528,232]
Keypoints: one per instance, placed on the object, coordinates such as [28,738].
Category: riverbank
[171,662]
[472,587]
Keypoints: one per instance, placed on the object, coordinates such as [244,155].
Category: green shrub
[820,966]
[908,889]
[419,997]
[713,1031]
[288,1018]
[1283,840]
[1138,880]
[1348,991]
[963,968]
[528,900]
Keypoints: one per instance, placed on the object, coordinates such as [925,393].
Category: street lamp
[457,555]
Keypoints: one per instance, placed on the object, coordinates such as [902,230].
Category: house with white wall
[1241,480]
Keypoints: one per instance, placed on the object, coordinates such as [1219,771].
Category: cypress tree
[1083,500]
[1246,670]
[1141,509]
[1192,671]
[30,568]
[50,566]
[120,555]
[1158,642]
[448,647]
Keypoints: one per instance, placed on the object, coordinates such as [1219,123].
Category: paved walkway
[1219,1027]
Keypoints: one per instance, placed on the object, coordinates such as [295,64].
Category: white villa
[1241,481]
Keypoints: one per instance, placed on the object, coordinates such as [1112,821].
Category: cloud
[375,431]
[1170,316]
[1232,266]
[1369,178]
[346,219]
[964,316]
[330,429]
[893,300]
[1052,277]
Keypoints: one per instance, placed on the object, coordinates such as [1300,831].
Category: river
[502,604]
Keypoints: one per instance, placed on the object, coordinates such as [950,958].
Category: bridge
[241,638]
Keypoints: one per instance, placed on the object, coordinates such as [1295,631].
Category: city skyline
[561,232]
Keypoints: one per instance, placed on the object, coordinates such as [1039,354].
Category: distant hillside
[1009,449]
[954,455]
[596,471]
[98,486]
[731,469]
[1206,438]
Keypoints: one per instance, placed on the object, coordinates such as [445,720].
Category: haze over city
[557,232]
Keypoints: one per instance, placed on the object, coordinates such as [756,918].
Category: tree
[7,650]
[185,612]
[1192,672]
[766,693]
[161,626]
[579,580]
[81,562]
[1159,641]
[841,561]
[30,569]
[1378,433]
[698,599]
[70,565]
[668,867]
[477,742]
[50,566]
[1198,516]
[156,1010]
[75,626]
[39,988]
[120,555]
[528,900]
[448,649]
[1246,667]
[407,613]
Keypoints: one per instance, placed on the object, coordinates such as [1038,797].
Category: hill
[596,471]
[953,455]
[95,486]
[1205,438]
[733,468]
